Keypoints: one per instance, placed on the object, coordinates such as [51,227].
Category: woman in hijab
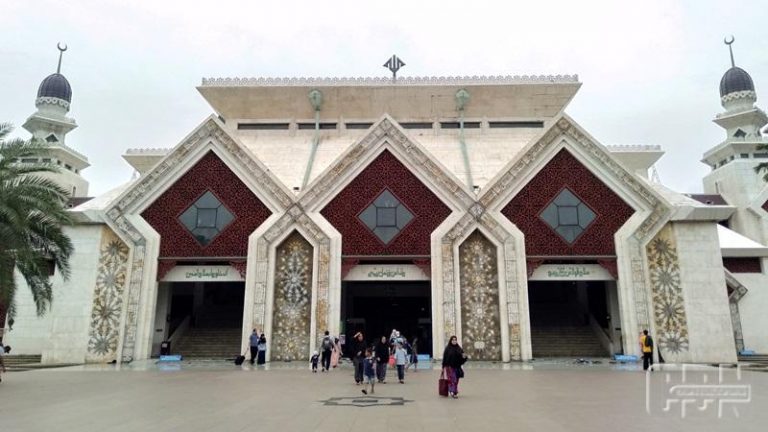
[453,358]
[336,354]
[262,349]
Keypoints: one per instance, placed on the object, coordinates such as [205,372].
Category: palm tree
[32,214]
[762,166]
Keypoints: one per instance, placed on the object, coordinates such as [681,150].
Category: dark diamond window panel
[206,218]
[568,216]
[386,216]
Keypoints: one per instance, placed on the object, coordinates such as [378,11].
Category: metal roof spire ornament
[61,54]
[730,48]
[394,64]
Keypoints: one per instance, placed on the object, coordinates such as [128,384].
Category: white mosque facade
[470,206]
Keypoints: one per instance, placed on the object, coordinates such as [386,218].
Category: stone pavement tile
[226,398]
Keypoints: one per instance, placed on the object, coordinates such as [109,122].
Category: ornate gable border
[387,134]
[514,253]
[343,169]
[263,279]
[660,210]
[122,216]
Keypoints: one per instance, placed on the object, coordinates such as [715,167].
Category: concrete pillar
[702,280]
[162,311]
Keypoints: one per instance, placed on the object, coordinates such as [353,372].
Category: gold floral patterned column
[667,293]
[107,299]
[292,299]
[480,324]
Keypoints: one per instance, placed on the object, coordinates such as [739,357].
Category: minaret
[733,160]
[51,125]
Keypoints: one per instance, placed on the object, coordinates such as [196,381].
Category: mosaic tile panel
[605,211]
[479,288]
[667,293]
[292,300]
[209,184]
[386,172]
[107,299]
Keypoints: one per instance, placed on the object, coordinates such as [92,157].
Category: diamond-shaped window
[568,216]
[386,216]
[206,218]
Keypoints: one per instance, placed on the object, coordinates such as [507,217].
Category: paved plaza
[208,396]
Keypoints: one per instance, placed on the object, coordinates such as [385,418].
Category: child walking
[315,359]
[369,371]
[401,357]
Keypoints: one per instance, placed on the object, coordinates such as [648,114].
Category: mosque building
[468,206]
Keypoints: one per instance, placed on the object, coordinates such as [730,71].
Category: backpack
[649,341]
[327,345]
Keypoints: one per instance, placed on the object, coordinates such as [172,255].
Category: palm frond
[32,216]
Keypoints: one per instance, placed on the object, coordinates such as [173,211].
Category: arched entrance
[376,299]
[574,311]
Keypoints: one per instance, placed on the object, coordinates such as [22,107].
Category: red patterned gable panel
[209,174]
[565,171]
[743,265]
[386,172]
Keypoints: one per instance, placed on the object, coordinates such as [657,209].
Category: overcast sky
[650,69]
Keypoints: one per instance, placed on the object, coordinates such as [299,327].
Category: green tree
[762,167]
[32,215]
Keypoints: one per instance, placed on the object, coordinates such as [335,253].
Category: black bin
[165,348]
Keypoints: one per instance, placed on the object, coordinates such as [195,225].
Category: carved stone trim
[52,101]
[739,291]
[116,214]
[743,94]
[418,159]
[318,239]
[208,130]
[565,126]
[378,81]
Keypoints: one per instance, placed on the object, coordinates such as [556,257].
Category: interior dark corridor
[560,314]
[375,308]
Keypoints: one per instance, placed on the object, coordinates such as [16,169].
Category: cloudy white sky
[650,69]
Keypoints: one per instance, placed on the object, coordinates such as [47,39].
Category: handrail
[180,330]
[602,335]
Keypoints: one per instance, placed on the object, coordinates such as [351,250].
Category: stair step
[565,341]
[210,341]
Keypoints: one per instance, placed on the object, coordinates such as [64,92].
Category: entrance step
[566,341]
[20,360]
[761,359]
[211,343]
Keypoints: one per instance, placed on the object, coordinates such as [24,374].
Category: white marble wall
[738,183]
[61,336]
[752,309]
[704,294]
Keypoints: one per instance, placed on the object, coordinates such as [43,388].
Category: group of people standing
[371,361]
[331,353]
[258,343]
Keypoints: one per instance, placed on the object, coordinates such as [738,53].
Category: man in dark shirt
[358,355]
[382,358]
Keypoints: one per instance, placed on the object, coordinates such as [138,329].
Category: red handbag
[392,360]
[442,384]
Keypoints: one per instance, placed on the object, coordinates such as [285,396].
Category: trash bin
[165,348]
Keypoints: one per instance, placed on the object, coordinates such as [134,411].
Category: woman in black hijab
[453,358]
